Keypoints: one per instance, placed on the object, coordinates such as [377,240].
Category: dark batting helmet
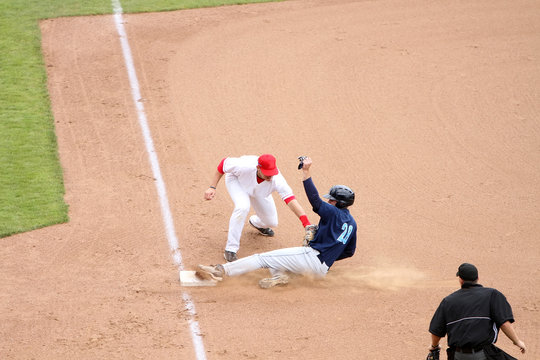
[342,194]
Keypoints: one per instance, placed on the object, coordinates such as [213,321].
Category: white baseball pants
[265,212]
[298,260]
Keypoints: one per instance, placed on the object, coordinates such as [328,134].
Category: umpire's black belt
[469,350]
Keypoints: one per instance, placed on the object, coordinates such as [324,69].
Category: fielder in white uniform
[250,181]
[334,240]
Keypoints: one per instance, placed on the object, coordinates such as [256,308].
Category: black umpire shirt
[471,316]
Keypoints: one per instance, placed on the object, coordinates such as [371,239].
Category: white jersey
[244,168]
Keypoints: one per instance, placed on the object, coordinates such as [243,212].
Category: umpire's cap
[467,272]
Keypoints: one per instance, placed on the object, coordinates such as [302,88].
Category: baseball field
[429,110]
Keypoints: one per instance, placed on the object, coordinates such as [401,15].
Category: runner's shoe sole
[277,280]
[209,273]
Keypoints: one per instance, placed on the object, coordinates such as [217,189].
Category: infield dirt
[429,110]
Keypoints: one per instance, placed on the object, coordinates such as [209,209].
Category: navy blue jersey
[336,237]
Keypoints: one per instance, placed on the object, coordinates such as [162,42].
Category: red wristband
[304,220]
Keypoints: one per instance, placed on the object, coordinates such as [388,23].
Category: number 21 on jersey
[344,237]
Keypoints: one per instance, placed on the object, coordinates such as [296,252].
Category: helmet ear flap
[340,205]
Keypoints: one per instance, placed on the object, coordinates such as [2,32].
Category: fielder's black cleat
[230,256]
[264,231]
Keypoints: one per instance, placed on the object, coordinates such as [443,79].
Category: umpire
[472,317]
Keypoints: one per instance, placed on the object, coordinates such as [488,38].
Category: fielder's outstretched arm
[298,210]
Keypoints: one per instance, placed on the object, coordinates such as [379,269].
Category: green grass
[31,182]
[132,6]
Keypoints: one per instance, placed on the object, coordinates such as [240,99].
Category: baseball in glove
[434,353]
[311,230]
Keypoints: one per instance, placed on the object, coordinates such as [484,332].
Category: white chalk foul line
[160,184]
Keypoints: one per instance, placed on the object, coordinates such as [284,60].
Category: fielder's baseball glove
[434,354]
[311,230]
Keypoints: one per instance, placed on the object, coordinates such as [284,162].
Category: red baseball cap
[267,164]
